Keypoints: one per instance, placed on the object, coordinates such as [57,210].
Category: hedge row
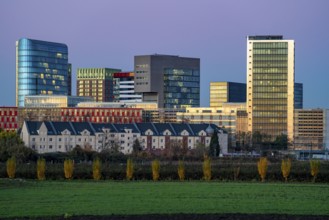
[221,170]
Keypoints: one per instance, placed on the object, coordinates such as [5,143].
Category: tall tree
[214,148]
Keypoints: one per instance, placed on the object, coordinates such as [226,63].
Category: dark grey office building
[171,81]
[298,95]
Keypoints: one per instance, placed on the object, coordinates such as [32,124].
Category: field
[28,198]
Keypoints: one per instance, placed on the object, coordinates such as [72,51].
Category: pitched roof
[79,127]
[143,127]
[98,127]
[161,127]
[62,126]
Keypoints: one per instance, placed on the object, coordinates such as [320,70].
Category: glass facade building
[270,85]
[170,81]
[98,83]
[298,95]
[181,88]
[41,69]
[222,92]
[54,101]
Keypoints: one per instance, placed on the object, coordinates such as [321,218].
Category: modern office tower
[221,92]
[127,87]
[41,69]
[311,130]
[171,81]
[98,83]
[69,79]
[298,95]
[270,85]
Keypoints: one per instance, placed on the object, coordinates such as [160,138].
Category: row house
[49,136]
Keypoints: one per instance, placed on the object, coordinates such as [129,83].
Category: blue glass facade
[41,69]
[181,88]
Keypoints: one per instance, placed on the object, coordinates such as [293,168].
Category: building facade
[98,83]
[225,117]
[9,118]
[221,92]
[298,95]
[41,69]
[311,129]
[127,87]
[170,81]
[270,85]
[54,101]
[48,136]
[102,115]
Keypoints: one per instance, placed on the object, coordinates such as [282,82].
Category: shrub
[11,167]
[181,170]
[97,166]
[207,169]
[285,168]
[130,169]
[155,170]
[68,168]
[262,168]
[315,167]
[41,169]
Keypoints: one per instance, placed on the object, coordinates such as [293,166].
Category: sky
[109,33]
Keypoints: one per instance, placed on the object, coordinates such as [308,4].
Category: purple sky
[109,33]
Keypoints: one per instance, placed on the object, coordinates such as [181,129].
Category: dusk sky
[109,33]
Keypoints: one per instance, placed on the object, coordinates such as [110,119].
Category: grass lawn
[20,198]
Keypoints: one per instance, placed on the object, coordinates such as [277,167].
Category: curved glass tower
[41,69]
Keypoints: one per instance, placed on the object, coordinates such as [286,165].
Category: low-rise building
[51,136]
[54,101]
[311,129]
[9,118]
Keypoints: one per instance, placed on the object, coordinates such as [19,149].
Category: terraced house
[49,136]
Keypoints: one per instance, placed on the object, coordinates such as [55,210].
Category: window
[50,146]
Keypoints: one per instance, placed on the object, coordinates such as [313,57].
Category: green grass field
[20,198]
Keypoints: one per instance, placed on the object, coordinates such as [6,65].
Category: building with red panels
[102,115]
[126,83]
[8,118]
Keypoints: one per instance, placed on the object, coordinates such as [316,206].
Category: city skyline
[110,34]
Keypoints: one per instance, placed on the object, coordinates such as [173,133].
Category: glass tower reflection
[41,69]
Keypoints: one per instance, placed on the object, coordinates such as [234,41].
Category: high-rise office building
[127,87]
[270,85]
[98,83]
[41,69]
[171,81]
[221,92]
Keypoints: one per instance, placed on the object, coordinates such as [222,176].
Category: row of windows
[182,78]
[269,83]
[182,95]
[269,89]
[269,101]
[60,71]
[43,65]
[267,70]
[271,51]
[266,45]
[267,95]
[42,54]
[181,84]
[181,72]
[278,77]
[41,59]
[267,64]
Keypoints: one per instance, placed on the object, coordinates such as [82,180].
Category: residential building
[270,85]
[54,101]
[41,69]
[127,87]
[48,136]
[311,129]
[98,83]
[8,118]
[221,92]
[170,81]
